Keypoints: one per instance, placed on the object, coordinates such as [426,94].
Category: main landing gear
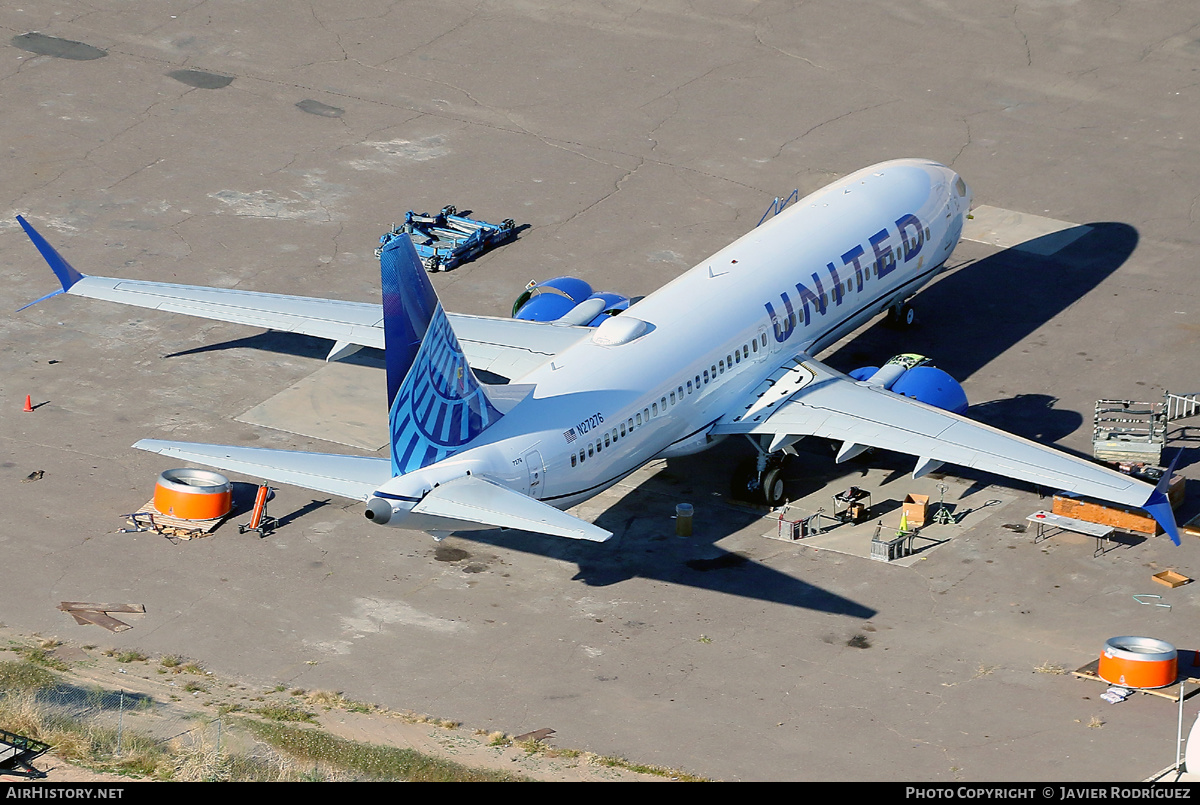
[902,315]
[760,480]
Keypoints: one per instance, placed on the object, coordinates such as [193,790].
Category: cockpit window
[961,187]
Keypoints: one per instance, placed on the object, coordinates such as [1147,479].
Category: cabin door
[537,480]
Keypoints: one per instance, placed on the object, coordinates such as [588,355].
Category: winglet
[65,272]
[1159,506]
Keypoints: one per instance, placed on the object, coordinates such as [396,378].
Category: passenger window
[590,454]
[646,412]
[689,387]
[606,442]
[663,402]
[573,462]
[737,357]
[655,407]
[614,434]
[745,351]
[764,339]
[680,390]
[580,456]
[754,344]
[622,429]
[705,375]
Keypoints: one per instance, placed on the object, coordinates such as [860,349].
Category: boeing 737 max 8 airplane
[726,348]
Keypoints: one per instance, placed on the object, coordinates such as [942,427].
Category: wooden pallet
[148,516]
[1190,683]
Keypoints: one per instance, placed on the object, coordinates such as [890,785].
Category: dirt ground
[93,666]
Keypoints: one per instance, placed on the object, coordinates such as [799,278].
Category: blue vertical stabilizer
[436,403]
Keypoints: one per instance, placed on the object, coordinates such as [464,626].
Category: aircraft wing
[807,398]
[507,347]
[511,347]
[473,499]
[354,477]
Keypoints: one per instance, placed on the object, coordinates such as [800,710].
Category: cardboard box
[1171,578]
[916,510]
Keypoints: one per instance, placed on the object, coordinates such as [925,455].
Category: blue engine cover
[933,387]
[555,298]
[545,307]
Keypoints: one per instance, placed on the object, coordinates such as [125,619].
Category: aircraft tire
[773,486]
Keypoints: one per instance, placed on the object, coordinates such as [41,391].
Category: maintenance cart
[447,239]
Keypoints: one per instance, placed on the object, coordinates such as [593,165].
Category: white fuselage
[796,284]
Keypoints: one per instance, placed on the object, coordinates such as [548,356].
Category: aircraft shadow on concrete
[645,545]
[978,312]
[971,316]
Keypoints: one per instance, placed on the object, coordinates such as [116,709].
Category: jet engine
[567,300]
[913,376]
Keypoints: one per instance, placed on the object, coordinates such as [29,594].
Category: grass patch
[332,700]
[40,656]
[22,675]
[368,760]
[284,712]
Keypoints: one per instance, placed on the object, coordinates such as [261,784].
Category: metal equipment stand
[942,516]
[259,520]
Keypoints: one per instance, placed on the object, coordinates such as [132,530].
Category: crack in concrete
[1024,36]
[967,123]
[835,119]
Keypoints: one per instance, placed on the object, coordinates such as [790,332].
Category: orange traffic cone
[28,404]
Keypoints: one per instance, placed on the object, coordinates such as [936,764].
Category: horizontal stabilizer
[354,477]
[475,500]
